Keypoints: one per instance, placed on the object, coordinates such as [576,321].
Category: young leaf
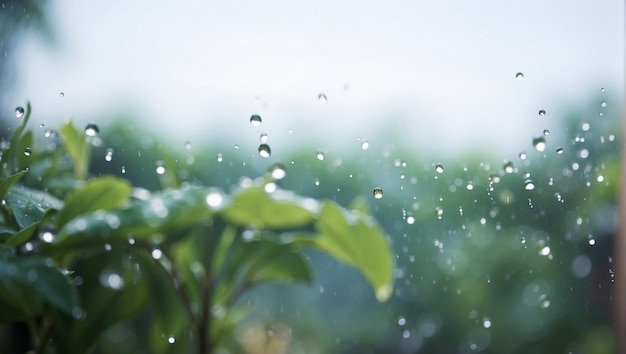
[9,181]
[24,151]
[13,147]
[77,148]
[104,193]
[30,205]
[354,240]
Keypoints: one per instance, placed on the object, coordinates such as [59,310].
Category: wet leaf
[77,148]
[9,181]
[29,205]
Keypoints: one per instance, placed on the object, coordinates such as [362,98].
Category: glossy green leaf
[24,152]
[278,210]
[274,262]
[27,283]
[103,193]
[22,236]
[29,205]
[9,181]
[353,238]
[78,149]
[15,138]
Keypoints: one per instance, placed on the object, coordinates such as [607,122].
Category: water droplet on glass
[187,145]
[410,219]
[220,158]
[160,167]
[486,322]
[439,213]
[439,168]
[542,113]
[545,251]
[91,130]
[19,112]
[469,186]
[61,94]
[546,132]
[277,171]
[365,145]
[539,144]
[109,155]
[28,151]
[559,150]
[519,76]
[264,138]
[586,126]
[264,150]
[322,98]
[508,167]
[378,193]
[522,155]
[603,104]
[123,169]
[320,155]
[255,120]
[529,185]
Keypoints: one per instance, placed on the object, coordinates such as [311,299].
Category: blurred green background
[492,255]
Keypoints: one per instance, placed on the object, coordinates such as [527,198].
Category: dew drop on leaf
[410,219]
[539,144]
[27,151]
[378,193]
[171,340]
[522,155]
[19,112]
[123,169]
[255,120]
[264,150]
[91,130]
[603,104]
[519,76]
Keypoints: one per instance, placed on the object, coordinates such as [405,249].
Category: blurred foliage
[80,254]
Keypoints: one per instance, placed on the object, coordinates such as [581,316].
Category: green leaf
[13,147]
[354,239]
[9,181]
[278,210]
[27,283]
[77,148]
[24,156]
[22,236]
[30,205]
[270,261]
[104,193]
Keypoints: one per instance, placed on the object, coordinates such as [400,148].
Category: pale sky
[438,75]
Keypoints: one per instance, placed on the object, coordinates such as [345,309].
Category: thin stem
[44,338]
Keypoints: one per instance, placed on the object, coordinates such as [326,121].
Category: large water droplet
[439,168]
[19,112]
[160,167]
[378,192]
[109,155]
[519,76]
[91,130]
[255,120]
[277,171]
[542,113]
[322,98]
[539,144]
[264,150]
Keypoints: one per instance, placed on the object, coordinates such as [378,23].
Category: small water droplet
[320,155]
[401,321]
[50,133]
[277,171]
[91,130]
[378,193]
[322,98]
[47,237]
[255,120]
[365,145]
[171,340]
[264,138]
[27,151]
[111,280]
[519,76]
[539,144]
[123,169]
[264,150]
[61,94]
[603,104]
[160,167]
[439,168]
[187,145]
[109,155]
[410,219]
[220,158]
[439,213]
[522,155]
[542,113]
[529,185]
[469,186]
[559,150]
[156,253]
[508,167]
[486,322]
[19,112]
[546,132]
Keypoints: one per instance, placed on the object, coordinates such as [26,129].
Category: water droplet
[171,340]
[365,145]
[156,253]
[277,171]
[320,155]
[28,151]
[47,237]
[469,186]
[91,130]
[542,113]
[529,185]
[50,133]
[378,193]
[486,322]
[61,94]
[111,280]
[603,104]
[546,132]
[160,167]
[410,219]
[220,158]
[439,168]
[508,167]
[255,120]
[559,150]
[187,145]
[264,138]
[109,155]
[519,76]
[322,98]
[123,169]
[19,112]
[522,155]
[214,199]
[264,150]
[401,321]
[439,213]
[539,144]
